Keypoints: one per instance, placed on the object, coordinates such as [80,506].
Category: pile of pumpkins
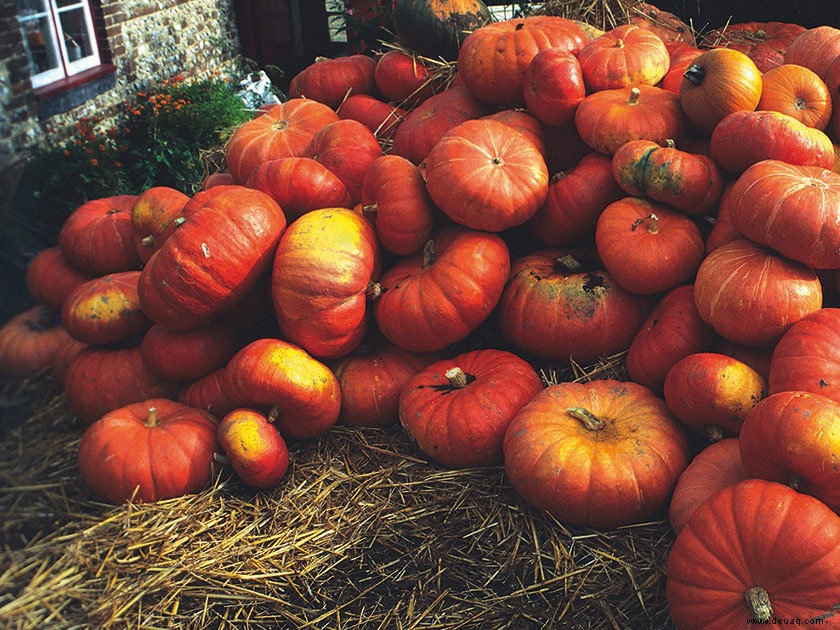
[577,193]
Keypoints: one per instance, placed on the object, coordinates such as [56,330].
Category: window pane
[39,40]
[63,4]
[28,8]
[76,35]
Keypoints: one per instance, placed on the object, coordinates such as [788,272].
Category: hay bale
[363,532]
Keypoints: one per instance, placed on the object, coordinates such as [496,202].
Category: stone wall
[146,40]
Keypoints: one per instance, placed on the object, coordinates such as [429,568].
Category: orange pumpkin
[29,341]
[494,59]
[609,118]
[623,56]
[815,48]
[798,92]
[602,453]
[717,83]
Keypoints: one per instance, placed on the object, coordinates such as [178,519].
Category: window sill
[71,92]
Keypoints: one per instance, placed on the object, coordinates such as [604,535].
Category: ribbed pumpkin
[493,60]
[395,200]
[576,198]
[795,210]
[154,217]
[673,330]
[284,130]
[798,92]
[553,86]
[754,551]
[187,355]
[272,374]
[300,184]
[603,453]
[29,341]
[151,450]
[624,56]
[322,267]
[556,308]
[256,451]
[716,467]
[330,81]
[793,437]
[743,138]
[648,247]
[98,237]
[763,42]
[609,118]
[438,296]
[50,278]
[213,260]
[105,310]
[457,410]
[807,357]
[436,28]
[485,175]
[751,295]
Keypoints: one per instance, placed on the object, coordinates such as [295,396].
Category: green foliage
[161,139]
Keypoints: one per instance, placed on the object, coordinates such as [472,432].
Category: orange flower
[94,162]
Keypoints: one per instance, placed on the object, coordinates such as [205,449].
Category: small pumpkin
[457,410]
[403,78]
[815,48]
[712,393]
[754,551]
[256,451]
[29,341]
[187,355]
[553,86]
[148,451]
[380,117]
[98,237]
[602,453]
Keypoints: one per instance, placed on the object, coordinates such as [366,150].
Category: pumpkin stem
[714,433]
[456,377]
[371,208]
[272,414]
[619,43]
[152,418]
[568,264]
[758,601]
[429,253]
[635,93]
[148,240]
[794,480]
[373,291]
[589,419]
[179,221]
[670,144]
[653,228]
[221,458]
[695,73]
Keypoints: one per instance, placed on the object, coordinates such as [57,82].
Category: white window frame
[66,67]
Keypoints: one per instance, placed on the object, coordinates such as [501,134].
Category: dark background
[708,14]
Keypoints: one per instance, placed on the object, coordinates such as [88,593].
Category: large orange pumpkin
[603,453]
[624,56]
[798,92]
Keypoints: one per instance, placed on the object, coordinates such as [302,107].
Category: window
[336,22]
[59,38]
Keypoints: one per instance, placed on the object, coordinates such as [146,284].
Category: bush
[161,138]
